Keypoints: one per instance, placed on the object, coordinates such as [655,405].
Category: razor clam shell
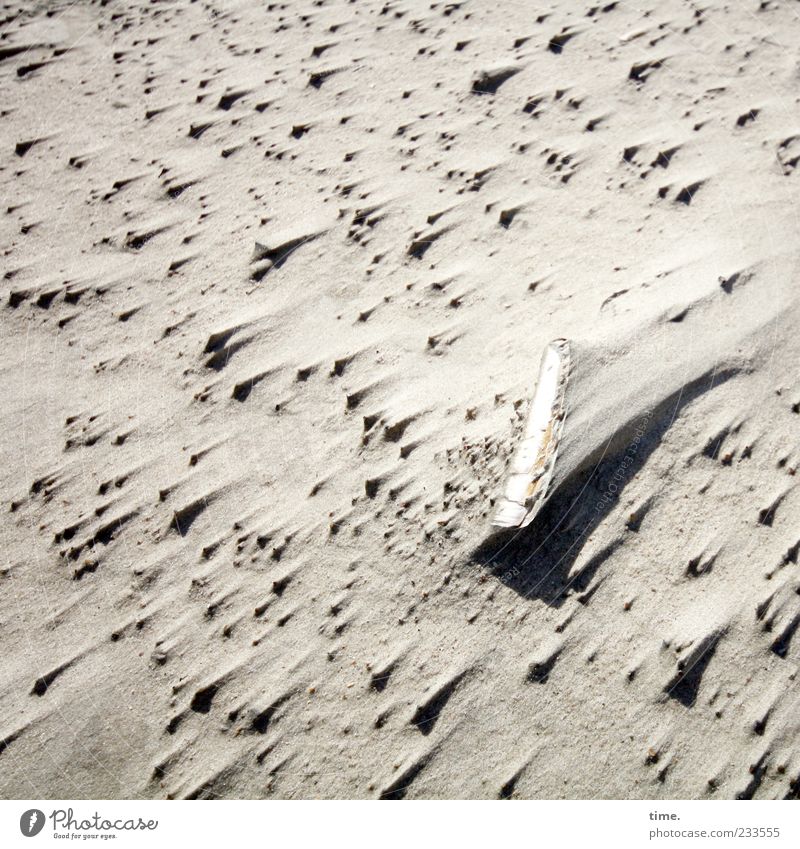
[531,468]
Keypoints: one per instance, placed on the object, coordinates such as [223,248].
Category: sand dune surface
[277,282]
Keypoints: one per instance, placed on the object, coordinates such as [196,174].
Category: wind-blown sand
[277,282]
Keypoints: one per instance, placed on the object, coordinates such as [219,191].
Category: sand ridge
[277,282]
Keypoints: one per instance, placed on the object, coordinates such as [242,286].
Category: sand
[278,278]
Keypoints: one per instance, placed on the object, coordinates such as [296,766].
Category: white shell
[532,466]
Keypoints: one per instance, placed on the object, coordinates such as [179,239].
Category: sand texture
[277,280]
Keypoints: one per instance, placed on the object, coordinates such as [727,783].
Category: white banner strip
[369,824]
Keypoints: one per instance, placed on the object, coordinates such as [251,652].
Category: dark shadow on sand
[536,561]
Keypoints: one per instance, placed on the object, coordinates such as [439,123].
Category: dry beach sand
[277,281]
